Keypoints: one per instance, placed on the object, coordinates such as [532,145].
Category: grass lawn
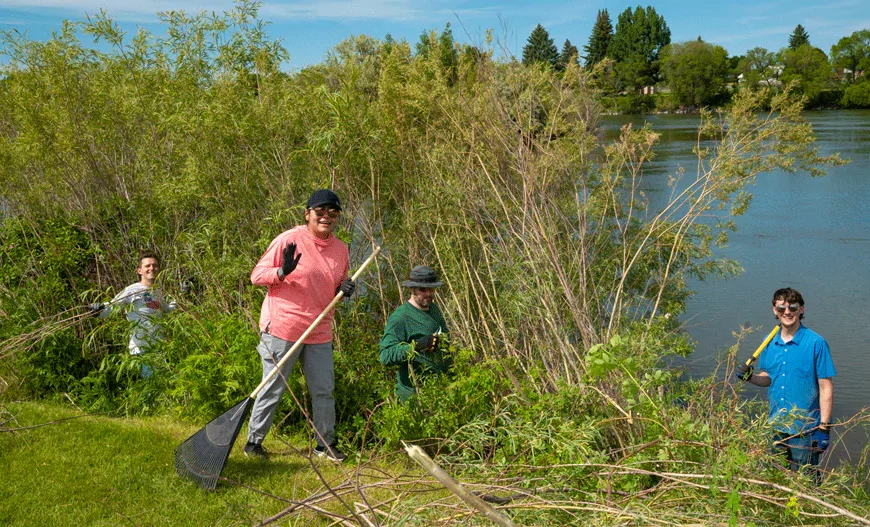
[90,470]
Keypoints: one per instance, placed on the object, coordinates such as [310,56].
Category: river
[812,234]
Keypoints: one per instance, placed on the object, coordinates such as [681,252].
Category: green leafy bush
[443,404]
[41,266]
[212,363]
[857,96]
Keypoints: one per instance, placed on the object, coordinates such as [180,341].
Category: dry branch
[417,454]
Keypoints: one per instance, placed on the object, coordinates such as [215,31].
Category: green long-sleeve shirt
[407,324]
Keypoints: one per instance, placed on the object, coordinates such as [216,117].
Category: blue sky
[310,29]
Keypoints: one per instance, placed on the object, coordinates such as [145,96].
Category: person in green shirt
[414,334]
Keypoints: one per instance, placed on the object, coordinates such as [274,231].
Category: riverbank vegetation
[641,70]
[564,286]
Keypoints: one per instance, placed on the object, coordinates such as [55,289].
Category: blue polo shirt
[795,368]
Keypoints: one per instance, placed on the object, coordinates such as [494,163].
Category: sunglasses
[793,307]
[320,212]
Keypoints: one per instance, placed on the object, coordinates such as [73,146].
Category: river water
[812,234]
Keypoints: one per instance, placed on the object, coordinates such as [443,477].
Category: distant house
[845,74]
[770,81]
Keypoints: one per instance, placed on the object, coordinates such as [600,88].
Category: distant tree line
[637,59]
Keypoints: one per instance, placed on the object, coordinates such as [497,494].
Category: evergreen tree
[798,38]
[447,52]
[389,43]
[639,36]
[540,48]
[599,40]
[425,43]
[568,55]
[444,47]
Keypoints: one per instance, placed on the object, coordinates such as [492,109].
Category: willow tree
[696,72]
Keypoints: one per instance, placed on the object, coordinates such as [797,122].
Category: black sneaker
[256,450]
[331,453]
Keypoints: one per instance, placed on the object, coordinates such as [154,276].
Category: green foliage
[444,48]
[443,404]
[568,55]
[539,48]
[636,104]
[117,387]
[564,283]
[40,281]
[696,72]
[599,41]
[799,37]
[759,68]
[212,363]
[809,69]
[856,96]
[852,53]
[361,381]
[829,98]
[639,37]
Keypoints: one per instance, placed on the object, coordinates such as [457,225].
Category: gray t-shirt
[147,307]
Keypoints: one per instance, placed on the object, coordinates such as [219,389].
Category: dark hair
[790,296]
[147,254]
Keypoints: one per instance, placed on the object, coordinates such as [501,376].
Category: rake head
[202,456]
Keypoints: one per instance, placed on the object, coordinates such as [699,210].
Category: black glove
[744,372]
[821,438]
[96,307]
[348,286]
[288,261]
[188,285]
[427,343]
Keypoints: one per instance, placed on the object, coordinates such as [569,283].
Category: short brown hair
[147,254]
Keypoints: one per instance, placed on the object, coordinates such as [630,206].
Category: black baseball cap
[323,197]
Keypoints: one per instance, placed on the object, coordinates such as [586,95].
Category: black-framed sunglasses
[320,212]
[793,307]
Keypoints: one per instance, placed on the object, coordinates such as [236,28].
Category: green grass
[105,471]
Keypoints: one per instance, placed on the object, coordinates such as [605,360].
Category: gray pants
[319,375]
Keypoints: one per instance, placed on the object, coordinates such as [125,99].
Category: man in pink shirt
[304,268]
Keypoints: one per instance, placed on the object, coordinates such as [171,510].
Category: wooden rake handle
[300,340]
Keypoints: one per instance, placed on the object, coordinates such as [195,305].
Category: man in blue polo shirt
[796,366]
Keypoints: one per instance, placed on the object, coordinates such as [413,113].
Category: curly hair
[790,296]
